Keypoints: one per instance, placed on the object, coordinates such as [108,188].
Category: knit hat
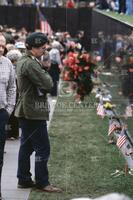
[36,39]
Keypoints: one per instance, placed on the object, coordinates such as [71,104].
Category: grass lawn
[81,160]
[124,18]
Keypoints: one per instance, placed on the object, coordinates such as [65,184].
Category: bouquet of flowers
[79,67]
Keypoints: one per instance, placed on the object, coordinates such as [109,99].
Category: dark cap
[36,39]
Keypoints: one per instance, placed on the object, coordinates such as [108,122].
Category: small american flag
[100,110]
[114,125]
[121,141]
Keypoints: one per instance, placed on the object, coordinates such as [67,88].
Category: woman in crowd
[54,71]
[12,127]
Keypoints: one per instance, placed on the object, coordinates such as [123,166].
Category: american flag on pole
[100,110]
[114,125]
[44,24]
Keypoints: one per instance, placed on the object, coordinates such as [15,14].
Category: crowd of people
[120,6]
[117,45]
[43,3]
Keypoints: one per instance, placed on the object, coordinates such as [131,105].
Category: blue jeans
[3,121]
[34,138]
[129,4]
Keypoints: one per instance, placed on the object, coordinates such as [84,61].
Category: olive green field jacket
[33,85]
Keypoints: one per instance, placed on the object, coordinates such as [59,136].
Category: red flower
[71,60]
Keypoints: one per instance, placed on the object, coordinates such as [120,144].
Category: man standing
[7,96]
[32,110]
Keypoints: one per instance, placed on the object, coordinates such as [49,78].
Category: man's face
[2,45]
[38,51]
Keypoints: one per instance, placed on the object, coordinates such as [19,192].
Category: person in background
[7,96]
[13,55]
[107,52]
[101,41]
[56,65]
[20,46]
[45,60]
[32,110]
[12,127]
